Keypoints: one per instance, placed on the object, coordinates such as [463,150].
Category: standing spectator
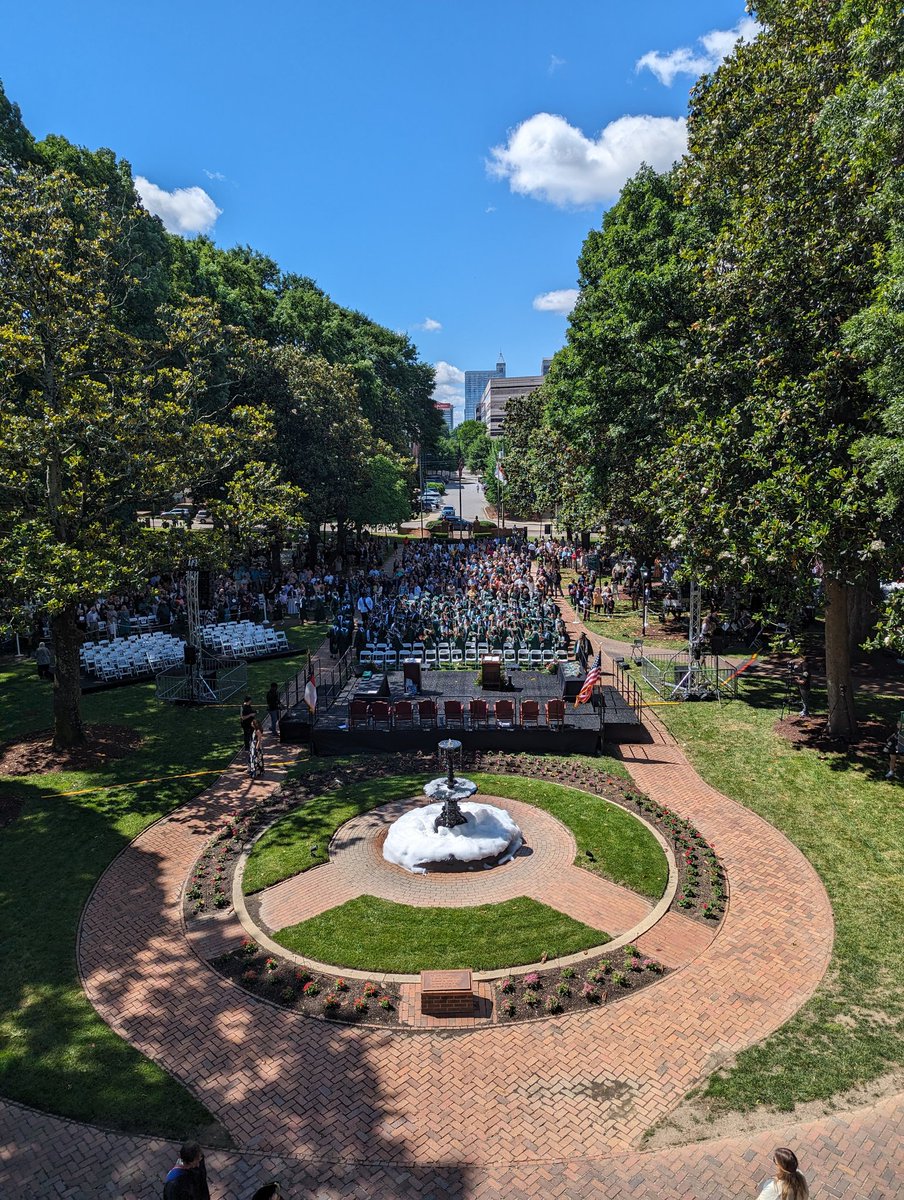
[188,1178]
[256,750]
[802,675]
[273,707]
[893,747]
[787,1183]
[248,716]
[43,660]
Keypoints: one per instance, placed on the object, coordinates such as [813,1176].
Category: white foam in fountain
[414,844]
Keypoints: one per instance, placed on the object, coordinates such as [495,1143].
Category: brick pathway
[546,1108]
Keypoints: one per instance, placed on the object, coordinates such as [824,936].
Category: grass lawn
[368,934]
[850,824]
[624,849]
[55,1052]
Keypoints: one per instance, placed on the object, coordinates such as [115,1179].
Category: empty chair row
[447,655]
[477,714]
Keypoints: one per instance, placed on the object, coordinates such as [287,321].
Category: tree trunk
[68,730]
[313,542]
[842,721]
[863,605]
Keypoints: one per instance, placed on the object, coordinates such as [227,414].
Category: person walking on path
[256,750]
[787,1183]
[273,707]
[247,718]
[188,1178]
[43,660]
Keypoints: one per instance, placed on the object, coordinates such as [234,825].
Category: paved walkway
[546,1108]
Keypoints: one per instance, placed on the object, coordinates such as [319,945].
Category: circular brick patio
[556,1107]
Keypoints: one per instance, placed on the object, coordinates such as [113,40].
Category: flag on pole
[499,472]
[310,692]
[593,678]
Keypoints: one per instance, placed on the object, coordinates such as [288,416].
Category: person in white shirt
[787,1183]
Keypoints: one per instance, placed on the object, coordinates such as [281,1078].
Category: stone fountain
[453,832]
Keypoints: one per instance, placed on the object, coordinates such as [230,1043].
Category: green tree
[385,494]
[94,418]
[763,484]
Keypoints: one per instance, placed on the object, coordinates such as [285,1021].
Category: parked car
[178,513]
[448,512]
[458,523]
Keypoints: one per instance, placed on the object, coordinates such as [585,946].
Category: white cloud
[429,325]
[183,210]
[549,159]
[218,176]
[450,387]
[561,301]
[554,63]
[716,45]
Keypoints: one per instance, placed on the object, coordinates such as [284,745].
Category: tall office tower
[475,382]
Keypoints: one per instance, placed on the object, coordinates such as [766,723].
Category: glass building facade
[475,382]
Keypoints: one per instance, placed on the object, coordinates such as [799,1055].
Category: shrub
[590,994]
[287,995]
[619,978]
[302,977]
[386,1003]
[311,988]
[248,947]
[532,980]
[371,989]
[359,1004]
[331,1001]
[568,972]
[531,999]
[553,1004]
[563,989]
[341,985]
[510,1008]
[507,986]
[249,976]
[271,964]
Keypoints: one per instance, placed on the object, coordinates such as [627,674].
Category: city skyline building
[495,397]
[475,382]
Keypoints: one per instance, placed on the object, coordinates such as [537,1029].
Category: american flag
[593,678]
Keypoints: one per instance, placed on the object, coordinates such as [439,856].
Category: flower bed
[570,989]
[308,992]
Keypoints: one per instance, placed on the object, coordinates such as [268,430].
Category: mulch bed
[33,754]
[811,733]
[600,980]
[315,995]
[10,807]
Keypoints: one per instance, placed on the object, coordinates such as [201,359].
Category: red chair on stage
[427,713]
[504,713]
[555,714]
[404,714]
[381,714]
[358,713]
[530,713]
[479,714]
[454,713]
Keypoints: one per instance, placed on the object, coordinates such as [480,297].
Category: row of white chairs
[243,639]
[134,657]
[445,654]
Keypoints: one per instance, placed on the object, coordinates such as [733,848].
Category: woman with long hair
[787,1183]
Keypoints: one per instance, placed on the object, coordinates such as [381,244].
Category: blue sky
[434,163]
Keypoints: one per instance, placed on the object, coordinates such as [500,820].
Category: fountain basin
[489,833]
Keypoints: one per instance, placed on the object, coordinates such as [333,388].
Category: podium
[491,672]
[411,669]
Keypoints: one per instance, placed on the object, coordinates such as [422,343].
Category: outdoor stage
[584,726]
